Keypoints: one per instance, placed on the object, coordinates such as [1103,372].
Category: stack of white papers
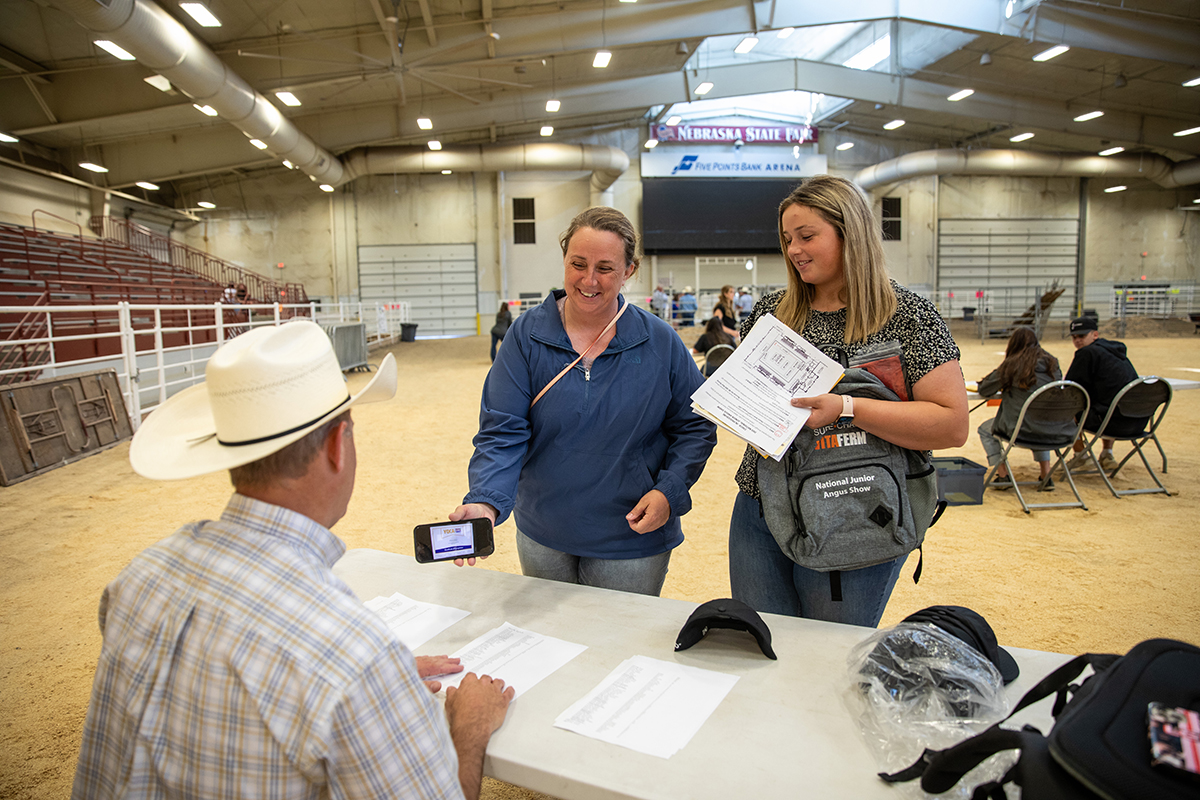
[414,622]
[750,394]
[518,657]
[647,705]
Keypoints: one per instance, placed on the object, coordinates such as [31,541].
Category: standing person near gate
[839,295]
[586,431]
[503,321]
[235,663]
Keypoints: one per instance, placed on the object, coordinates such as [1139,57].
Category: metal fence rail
[144,340]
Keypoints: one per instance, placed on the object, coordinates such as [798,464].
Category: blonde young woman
[839,295]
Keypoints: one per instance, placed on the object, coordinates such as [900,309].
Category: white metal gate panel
[1007,259]
[438,281]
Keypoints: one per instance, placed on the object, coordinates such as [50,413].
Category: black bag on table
[1099,746]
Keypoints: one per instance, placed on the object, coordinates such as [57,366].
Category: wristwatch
[847,407]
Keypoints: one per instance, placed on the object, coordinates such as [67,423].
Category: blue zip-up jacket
[575,464]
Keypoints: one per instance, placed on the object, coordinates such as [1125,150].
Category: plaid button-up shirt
[236,664]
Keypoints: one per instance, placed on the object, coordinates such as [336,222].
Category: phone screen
[444,541]
[455,540]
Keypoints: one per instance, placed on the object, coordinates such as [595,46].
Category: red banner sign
[729,134]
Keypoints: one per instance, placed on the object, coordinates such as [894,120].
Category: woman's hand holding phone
[472,511]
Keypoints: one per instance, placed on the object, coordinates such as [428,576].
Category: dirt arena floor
[1064,580]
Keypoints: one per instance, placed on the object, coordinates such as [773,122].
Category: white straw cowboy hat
[262,391]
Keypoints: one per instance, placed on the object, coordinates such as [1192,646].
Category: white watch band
[847,407]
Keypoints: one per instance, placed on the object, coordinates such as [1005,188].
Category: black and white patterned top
[925,343]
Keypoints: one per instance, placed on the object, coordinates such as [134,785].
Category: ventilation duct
[605,163]
[159,42]
[1163,171]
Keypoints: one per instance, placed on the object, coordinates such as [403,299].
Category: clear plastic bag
[914,687]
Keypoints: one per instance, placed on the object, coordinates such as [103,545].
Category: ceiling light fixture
[1021,137]
[288,99]
[674,119]
[207,111]
[200,13]
[985,59]
[159,82]
[147,185]
[206,204]
[891,126]
[325,187]
[704,88]
[681,49]
[1121,81]
[1046,55]
[962,94]
[547,130]
[1192,82]
[552,106]
[1112,151]
[447,171]
[434,144]
[425,123]
[1089,115]
[602,58]
[746,45]
[872,54]
[4,137]
[1187,132]
[845,145]
[89,166]
[651,143]
[288,164]
[1112,189]
[259,143]
[114,49]
[785,32]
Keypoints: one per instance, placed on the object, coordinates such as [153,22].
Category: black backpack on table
[1099,746]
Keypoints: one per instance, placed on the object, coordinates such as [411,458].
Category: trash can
[968,313]
[408,331]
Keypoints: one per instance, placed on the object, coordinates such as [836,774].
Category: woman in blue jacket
[586,432]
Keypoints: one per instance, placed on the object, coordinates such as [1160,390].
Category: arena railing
[156,350]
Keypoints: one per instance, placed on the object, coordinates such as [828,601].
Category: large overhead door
[1011,261]
[436,280]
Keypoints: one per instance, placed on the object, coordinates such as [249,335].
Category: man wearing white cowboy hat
[235,663]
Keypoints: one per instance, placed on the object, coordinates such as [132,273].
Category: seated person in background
[714,334]
[724,310]
[235,663]
[1102,368]
[1025,369]
[744,304]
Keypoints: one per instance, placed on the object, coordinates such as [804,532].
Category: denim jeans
[495,341]
[637,575]
[993,447]
[767,580]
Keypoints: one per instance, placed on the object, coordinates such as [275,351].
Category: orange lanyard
[568,367]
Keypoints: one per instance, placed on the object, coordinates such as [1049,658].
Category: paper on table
[651,706]
[750,394]
[413,621]
[519,657]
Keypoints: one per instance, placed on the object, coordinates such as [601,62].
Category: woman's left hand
[826,408]
[651,512]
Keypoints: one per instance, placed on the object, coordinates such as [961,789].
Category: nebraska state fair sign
[728,134]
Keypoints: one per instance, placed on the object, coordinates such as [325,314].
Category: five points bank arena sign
[748,134]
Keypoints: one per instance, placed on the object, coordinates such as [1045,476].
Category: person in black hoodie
[1102,368]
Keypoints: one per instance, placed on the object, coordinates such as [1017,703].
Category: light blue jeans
[994,449]
[637,575]
[767,580]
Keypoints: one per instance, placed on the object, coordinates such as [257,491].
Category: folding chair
[1146,396]
[715,356]
[1055,402]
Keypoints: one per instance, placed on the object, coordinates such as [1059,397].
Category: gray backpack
[843,498]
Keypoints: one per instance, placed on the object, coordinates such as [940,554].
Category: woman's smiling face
[595,270]
[814,248]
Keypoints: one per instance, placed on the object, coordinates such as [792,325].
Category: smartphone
[446,541]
